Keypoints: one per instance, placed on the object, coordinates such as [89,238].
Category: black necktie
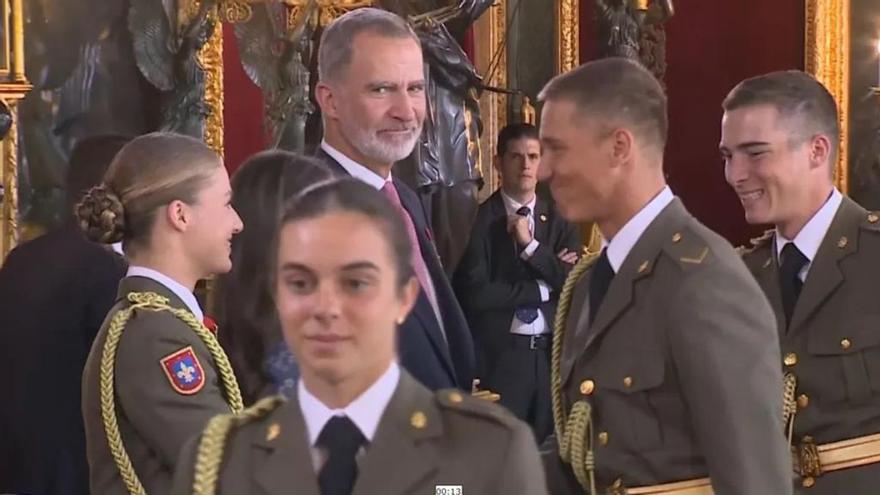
[600,278]
[525,314]
[793,261]
[342,440]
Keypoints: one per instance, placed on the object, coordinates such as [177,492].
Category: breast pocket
[852,353]
[629,387]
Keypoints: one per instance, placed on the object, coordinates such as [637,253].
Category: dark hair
[148,173]
[795,95]
[615,91]
[88,163]
[337,40]
[245,310]
[514,132]
[351,195]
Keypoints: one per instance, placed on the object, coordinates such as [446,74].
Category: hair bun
[101,216]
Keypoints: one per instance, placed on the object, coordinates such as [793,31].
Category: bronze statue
[274,58]
[444,167]
[168,59]
[621,23]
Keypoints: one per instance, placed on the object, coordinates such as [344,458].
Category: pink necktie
[418,263]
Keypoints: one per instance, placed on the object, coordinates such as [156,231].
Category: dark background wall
[864,121]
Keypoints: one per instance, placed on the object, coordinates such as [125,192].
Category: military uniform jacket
[423,440]
[154,419]
[833,343]
[680,369]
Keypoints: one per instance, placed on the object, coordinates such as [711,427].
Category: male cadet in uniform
[509,279]
[667,380]
[819,267]
[371,91]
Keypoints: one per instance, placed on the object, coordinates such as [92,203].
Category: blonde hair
[148,173]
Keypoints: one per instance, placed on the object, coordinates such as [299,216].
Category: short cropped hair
[617,91]
[337,40]
[796,96]
[514,132]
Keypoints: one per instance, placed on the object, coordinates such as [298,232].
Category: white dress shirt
[620,246]
[517,326]
[365,411]
[355,169]
[811,235]
[177,288]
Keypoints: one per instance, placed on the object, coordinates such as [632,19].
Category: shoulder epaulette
[687,247]
[454,400]
[756,243]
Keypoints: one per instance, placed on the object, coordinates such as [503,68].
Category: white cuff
[544,289]
[529,249]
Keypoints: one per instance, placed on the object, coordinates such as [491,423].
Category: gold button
[803,401]
[628,382]
[587,387]
[872,218]
[842,242]
[418,420]
[455,397]
[790,359]
[676,237]
[644,266]
[845,344]
[603,438]
[808,482]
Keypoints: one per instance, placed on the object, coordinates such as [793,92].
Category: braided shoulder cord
[578,425]
[152,302]
[213,440]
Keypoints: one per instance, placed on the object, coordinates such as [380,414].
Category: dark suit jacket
[492,280]
[421,347]
[461,441]
[154,420]
[680,368]
[54,294]
[838,302]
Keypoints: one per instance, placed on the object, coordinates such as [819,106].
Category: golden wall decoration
[10,185]
[211,59]
[827,58]
[567,42]
[490,50]
[327,9]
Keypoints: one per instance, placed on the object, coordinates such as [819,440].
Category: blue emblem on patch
[184,371]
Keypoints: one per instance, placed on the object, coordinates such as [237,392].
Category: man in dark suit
[371,90]
[666,379]
[54,293]
[819,267]
[509,279]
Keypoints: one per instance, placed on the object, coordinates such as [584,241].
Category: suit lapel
[401,453]
[767,276]
[576,328]
[541,218]
[288,461]
[825,276]
[331,163]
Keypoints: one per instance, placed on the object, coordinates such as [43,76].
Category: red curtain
[242,107]
[711,46]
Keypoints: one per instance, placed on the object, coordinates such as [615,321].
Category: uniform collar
[354,168]
[177,288]
[365,411]
[811,235]
[622,243]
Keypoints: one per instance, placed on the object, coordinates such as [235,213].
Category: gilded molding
[234,11]
[489,50]
[10,183]
[18,74]
[567,43]
[827,58]
[211,59]
[327,9]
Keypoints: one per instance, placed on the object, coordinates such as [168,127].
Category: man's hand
[518,226]
[570,257]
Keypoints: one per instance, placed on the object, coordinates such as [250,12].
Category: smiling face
[215,222]
[339,306]
[374,109]
[774,171]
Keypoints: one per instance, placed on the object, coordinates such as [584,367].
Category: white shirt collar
[811,235]
[365,411]
[178,289]
[511,205]
[622,243]
[354,168]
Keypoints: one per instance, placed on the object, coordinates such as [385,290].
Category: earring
[400,320]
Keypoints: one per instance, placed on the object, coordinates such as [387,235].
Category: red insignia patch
[210,324]
[184,371]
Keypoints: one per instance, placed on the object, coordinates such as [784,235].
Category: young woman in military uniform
[358,423]
[156,373]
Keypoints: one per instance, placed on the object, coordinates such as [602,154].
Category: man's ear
[820,151]
[623,145]
[325,98]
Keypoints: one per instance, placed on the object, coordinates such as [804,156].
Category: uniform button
[845,344]
[587,387]
[872,218]
[676,237]
[803,401]
[628,381]
[455,397]
[790,359]
[603,438]
[808,482]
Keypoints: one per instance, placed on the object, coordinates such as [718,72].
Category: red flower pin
[210,324]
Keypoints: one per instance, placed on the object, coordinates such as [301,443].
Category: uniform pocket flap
[636,373]
[863,334]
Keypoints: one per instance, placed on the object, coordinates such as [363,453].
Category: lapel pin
[676,237]
[767,263]
[273,432]
[543,217]
[873,218]
[842,242]
[418,420]
[644,266]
